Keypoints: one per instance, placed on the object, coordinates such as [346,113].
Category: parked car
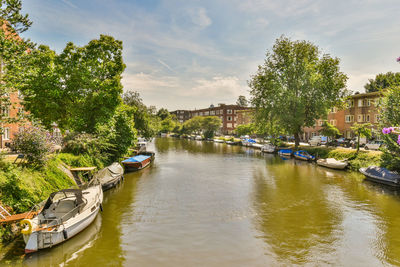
[373,145]
[318,140]
[344,142]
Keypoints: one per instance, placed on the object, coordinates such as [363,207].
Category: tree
[210,124]
[242,101]
[77,89]
[390,116]
[329,130]
[194,125]
[245,129]
[168,124]
[146,123]
[296,85]
[10,12]
[12,49]
[162,113]
[361,130]
[382,81]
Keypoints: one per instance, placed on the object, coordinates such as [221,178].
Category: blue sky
[190,54]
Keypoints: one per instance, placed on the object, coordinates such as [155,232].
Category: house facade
[360,108]
[227,113]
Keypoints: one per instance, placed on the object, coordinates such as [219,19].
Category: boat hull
[111,184]
[393,183]
[335,166]
[136,166]
[37,239]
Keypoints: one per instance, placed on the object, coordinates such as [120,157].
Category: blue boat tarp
[304,154]
[285,151]
[138,158]
[250,140]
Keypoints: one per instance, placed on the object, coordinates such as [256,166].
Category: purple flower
[398,140]
[387,130]
[398,59]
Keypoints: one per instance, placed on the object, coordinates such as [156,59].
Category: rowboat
[381,175]
[65,214]
[332,163]
[110,176]
[303,155]
[285,152]
[139,161]
[268,148]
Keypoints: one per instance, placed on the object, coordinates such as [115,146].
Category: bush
[35,143]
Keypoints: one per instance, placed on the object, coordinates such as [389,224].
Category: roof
[138,158]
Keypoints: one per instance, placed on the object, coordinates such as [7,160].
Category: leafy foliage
[77,89]
[361,130]
[10,12]
[242,101]
[296,85]
[146,123]
[35,143]
[390,116]
[245,129]
[209,125]
[163,113]
[329,130]
[383,81]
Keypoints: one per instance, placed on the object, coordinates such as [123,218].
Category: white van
[318,140]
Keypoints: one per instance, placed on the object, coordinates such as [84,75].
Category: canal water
[208,204]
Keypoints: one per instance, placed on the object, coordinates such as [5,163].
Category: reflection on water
[208,204]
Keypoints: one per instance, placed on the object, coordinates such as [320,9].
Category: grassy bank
[356,160]
[23,187]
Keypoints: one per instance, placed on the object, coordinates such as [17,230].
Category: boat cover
[109,173]
[138,158]
[285,151]
[382,172]
[250,140]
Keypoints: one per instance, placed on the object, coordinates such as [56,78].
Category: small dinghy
[139,161]
[332,163]
[269,148]
[381,175]
[110,176]
[65,214]
[303,155]
[285,152]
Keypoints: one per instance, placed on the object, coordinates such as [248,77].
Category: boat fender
[101,207]
[28,228]
[65,234]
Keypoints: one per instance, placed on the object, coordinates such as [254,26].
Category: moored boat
[268,148]
[381,175]
[259,146]
[332,163]
[65,214]
[110,176]
[285,152]
[303,155]
[218,141]
[139,161]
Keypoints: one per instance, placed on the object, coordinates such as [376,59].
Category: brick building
[245,116]
[227,114]
[360,108]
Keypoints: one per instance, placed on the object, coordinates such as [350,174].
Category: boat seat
[66,209]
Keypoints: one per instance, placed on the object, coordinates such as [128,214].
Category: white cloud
[217,86]
[199,17]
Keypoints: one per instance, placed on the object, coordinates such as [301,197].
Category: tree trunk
[358,142]
[296,140]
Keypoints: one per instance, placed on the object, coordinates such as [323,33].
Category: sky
[191,54]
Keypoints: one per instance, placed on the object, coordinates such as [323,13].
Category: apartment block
[360,108]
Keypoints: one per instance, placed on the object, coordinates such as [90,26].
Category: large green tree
[383,81]
[329,130]
[77,89]
[242,101]
[297,85]
[146,123]
[361,130]
[10,11]
[210,125]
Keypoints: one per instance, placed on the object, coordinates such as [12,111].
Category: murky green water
[206,204]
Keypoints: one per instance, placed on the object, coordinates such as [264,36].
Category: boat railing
[51,222]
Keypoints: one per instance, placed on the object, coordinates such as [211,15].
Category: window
[333,110]
[369,102]
[6,134]
[376,117]
[229,111]
[229,125]
[350,103]
[360,102]
[349,118]
[212,112]
[229,118]
[206,113]
[359,118]
[333,122]
[5,111]
[367,118]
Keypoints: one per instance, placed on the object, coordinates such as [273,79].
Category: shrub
[35,143]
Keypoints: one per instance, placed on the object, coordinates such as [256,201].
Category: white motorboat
[268,148]
[65,214]
[332,163]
